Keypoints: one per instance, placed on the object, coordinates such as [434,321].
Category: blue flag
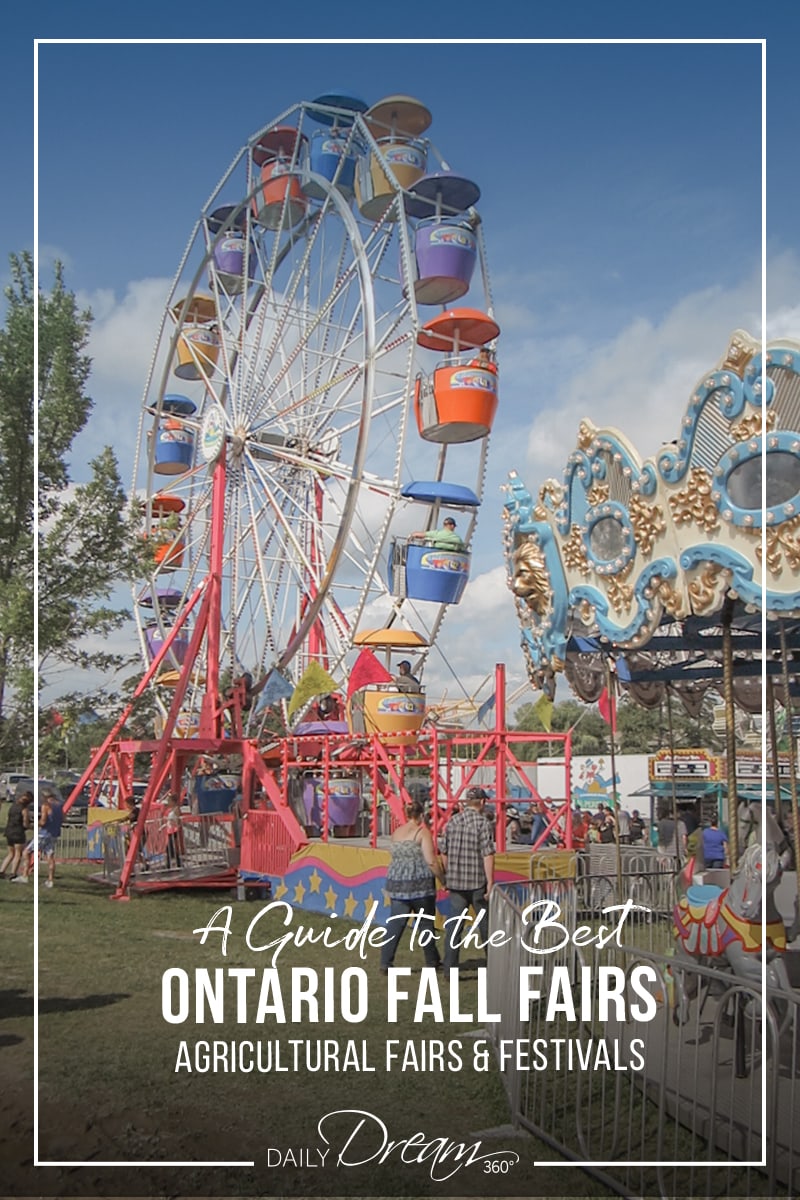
[276,688]
[486,708]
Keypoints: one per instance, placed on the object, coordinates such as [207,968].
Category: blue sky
[621,200]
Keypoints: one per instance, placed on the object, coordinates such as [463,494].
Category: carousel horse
[750,817]
[723,925]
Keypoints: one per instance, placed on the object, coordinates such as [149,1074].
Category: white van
[8,784]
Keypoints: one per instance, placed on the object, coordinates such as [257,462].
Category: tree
[16,511]
[690,731]
[639,730]
[590,732]
[87,535]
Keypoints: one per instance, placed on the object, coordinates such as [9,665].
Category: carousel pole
[773,740]
[612,699]
[730,736]
[787,704]
[671,733]
[500,756]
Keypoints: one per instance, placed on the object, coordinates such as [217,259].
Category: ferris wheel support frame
[141,687]
[212,709]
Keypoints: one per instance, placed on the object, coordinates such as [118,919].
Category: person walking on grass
[49,831]
[17,827]
[468,856]
[411,880]
[132,814]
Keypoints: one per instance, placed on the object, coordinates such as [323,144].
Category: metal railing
[645,1104]
[206,844]
[72,845]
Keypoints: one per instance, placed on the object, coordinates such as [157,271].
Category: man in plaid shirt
[467,850]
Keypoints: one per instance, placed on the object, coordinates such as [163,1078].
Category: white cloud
[487,596]
[640,382]
[124,332]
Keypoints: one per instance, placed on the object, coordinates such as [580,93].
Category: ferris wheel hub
[238,441]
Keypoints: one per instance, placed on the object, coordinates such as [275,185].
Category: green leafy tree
[590,732]
[87,534]
[690,731]
[16,512]
[639,730]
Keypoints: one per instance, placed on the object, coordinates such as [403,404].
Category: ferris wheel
[278,446]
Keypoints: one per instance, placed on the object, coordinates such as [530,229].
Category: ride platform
[345,875]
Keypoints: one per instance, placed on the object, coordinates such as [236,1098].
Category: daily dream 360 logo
[352,1137]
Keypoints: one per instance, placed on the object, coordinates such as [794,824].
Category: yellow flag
[544,711]
[315,681]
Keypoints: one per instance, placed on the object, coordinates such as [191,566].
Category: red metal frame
[452,760]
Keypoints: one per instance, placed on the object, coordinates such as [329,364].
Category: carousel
[667,578]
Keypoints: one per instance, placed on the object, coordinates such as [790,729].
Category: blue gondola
[422,571]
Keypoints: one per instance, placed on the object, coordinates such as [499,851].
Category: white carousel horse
[722,926]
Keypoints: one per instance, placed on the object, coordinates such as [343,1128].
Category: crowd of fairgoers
[527,820]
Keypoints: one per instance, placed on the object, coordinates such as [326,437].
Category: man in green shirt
[445,538]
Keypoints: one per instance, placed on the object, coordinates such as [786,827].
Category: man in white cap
[467,850]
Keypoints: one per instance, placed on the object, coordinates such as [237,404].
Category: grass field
[109,1089]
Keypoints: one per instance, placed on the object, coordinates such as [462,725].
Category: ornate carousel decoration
[648,559]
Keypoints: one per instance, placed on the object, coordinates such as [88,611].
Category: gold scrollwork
[782,540]
[620,593]
[552,491]
[647,521]
[708,589]
[751,426]
[586,432]
[530,579]
[741,349]
[585,612]
[574,551]
[669,597]
[694,503]
[598,494]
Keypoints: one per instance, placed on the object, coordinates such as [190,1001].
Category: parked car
[8,784]
[76,814]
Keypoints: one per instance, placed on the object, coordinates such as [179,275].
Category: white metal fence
[655,1108]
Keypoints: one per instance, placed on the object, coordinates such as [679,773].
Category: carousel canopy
[657,561]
